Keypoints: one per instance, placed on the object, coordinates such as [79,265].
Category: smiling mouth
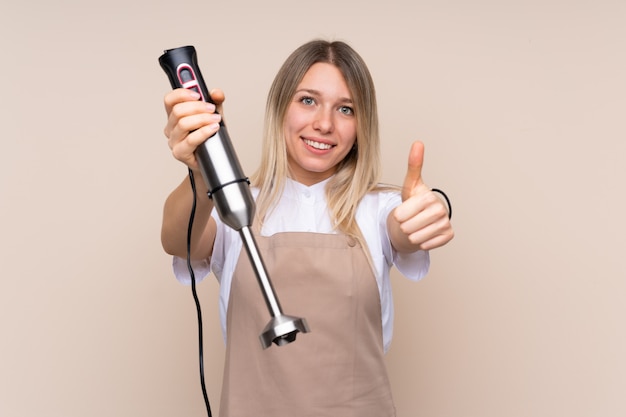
[317,145]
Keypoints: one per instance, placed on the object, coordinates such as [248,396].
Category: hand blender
[230,192]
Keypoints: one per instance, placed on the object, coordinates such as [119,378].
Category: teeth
[317,145]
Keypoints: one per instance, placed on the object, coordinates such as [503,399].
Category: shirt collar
[315,188]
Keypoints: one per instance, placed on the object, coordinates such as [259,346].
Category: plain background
[520,104]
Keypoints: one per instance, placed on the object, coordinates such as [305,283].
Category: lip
[318,140]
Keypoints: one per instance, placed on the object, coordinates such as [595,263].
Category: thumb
[218,97]
[413,177]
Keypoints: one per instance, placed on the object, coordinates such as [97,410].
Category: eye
[306,100]
[348,111]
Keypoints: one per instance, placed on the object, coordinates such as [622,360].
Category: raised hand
[421,221]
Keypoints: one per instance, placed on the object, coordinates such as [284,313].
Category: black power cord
[195,294]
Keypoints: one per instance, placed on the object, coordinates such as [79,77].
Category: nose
[323,121]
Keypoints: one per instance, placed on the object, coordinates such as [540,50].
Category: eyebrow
[317,93]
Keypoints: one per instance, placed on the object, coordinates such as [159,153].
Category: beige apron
[336,370]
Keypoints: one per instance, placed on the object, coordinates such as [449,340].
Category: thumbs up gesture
[421,222]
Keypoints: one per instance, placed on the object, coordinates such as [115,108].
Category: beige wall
[520,103]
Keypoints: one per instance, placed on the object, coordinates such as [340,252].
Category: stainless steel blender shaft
[281,329]
[229,189]
[234,203]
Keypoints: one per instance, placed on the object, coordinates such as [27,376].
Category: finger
[413,178]
[187,116]
[217,96]
[178,95]
[437,241]
[426,235]
[181,127]
[184,149]
[194,136]
[419,212]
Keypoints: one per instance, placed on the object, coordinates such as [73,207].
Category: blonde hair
[359,172]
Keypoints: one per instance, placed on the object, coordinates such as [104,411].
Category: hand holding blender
[229,189]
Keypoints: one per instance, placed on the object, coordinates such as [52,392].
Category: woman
[328,232]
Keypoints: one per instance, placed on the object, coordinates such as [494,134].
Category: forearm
[176,213]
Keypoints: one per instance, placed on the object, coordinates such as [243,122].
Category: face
[320,124]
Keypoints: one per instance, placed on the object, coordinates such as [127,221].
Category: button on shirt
[303,209]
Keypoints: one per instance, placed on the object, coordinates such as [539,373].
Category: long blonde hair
[359,172]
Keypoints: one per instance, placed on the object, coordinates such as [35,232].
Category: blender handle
[216,157]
